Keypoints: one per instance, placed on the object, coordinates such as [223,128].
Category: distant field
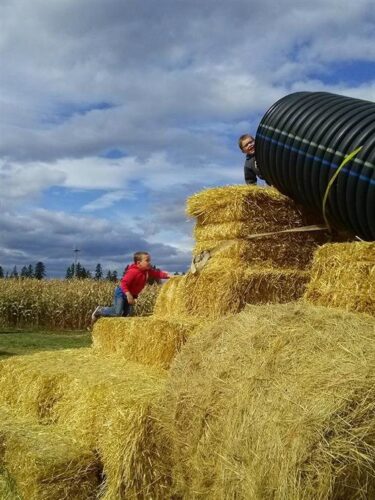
[14,341]
[60,304]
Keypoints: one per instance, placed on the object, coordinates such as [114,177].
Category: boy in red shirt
[132,283]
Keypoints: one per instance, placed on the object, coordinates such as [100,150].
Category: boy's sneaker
[95,316]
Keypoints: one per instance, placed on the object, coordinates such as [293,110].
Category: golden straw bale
[275,402]
[34,384]
[112,414]
[87,401]
[223,231]
[145,303]
[151,340]
[343,275]
[47,462]
[225,286]
[132,465]
[276,286]
[263,209]
[96,397]
[242,230]
[169,302]
[288,250]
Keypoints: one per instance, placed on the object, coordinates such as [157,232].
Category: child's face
[145,263]
[248,146]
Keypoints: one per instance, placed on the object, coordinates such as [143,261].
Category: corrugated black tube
[302,141]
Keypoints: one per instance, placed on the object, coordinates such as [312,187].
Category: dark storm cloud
[52,237]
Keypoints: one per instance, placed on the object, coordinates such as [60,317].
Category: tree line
[80,272]
[38,272]
[73,271]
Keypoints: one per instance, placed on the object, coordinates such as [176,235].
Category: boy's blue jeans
[120,307]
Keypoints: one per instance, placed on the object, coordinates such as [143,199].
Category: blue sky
[113,113]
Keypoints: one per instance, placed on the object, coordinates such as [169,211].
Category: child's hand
[130,298]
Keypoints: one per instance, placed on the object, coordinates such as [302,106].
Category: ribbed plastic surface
[301,142]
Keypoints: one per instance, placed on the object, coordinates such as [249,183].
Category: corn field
[62,305]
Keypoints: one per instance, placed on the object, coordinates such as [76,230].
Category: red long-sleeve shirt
[135,279]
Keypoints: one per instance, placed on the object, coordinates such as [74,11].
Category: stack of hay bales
[71,419]
[272,268]
[269,269]
[272,403]
[237,213]
[276,402]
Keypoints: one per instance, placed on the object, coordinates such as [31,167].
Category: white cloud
[183,79]
[24,181]
[105,201]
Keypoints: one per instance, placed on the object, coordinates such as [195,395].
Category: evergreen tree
[78,270]
[14,273]
[1,272]
[69,272]
[30,271]
[24,273]
[40,271]
[98,272]
[112,276]
[83,273]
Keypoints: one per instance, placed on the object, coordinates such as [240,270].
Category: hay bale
[225,286]
[47,462]
[99,399]
[35,384]
[127,447]
[169,302]
[145,303]
[113,418]
[288,250]
[263,210]
[151,341]
[343,275]
[223,231]
[275,402]
[274,286]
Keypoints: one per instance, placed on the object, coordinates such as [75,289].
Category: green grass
[8,489]
[15,342]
